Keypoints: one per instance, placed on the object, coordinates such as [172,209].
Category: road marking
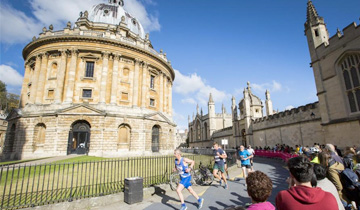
[200,194]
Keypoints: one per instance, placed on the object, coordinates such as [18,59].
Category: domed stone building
[96,88]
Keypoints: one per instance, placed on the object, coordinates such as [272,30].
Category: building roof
[113,13]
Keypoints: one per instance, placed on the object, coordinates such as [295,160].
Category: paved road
[217,197]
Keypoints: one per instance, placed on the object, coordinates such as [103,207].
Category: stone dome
[112,13]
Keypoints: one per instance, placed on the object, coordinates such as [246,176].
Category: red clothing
[305,198]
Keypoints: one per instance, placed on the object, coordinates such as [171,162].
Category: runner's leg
[215,173]
[178,191]
[191,190]
[243,170]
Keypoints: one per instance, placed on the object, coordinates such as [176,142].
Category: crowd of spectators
[321,177]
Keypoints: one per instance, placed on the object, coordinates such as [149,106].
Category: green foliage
[8,101]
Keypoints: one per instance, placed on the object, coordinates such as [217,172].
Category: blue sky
[215,46]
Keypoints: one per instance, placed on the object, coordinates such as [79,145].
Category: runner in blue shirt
[219,155]
[182,166]
[245,160]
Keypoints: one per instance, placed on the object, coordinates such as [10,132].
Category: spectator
[350,182]
[331,149]
[301,195]
[259,187]
[338,151]
[325,184]
[333,170]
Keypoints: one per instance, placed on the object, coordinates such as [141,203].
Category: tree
[8,101]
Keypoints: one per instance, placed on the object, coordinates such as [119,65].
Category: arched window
[54,69]
[124,136]
[155,138]
[11,139]
[350,66]
[205,131]
[198,131]
[39,136]
[191,135]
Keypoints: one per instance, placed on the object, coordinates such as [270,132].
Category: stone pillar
[170,98]
[104,72]
[115,76]
[61,77]
[161,102]
[136,83]
[71,76]
[24,90]
[144,85]
[165,94]
[42,77]
[34,81]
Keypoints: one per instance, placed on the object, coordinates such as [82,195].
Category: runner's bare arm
[190,162]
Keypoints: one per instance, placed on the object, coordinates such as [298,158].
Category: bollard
[134,192]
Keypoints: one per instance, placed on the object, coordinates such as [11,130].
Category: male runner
[182,166]
[245,160]
[219,155]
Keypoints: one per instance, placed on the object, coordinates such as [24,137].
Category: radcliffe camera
[142,104]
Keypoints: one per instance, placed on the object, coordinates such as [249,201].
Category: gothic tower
[268,104]
[212,115]
[315,30]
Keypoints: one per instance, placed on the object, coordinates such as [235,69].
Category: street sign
[224,142]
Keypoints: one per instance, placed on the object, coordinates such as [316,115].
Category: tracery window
[350,66]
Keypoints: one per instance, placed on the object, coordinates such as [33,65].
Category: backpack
[350,181]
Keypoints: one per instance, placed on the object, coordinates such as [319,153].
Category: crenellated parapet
[339,39]
[306,113]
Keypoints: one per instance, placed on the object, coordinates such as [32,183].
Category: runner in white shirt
[252,152]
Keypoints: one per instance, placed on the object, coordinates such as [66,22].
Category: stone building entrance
[155,139]
[79,138]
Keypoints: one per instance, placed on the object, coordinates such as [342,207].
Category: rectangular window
[124,96]
[152,82]
[50,94]
[316,33]
[89,69]
[152,102]
[86,93]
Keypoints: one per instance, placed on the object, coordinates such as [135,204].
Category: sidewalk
[165,198]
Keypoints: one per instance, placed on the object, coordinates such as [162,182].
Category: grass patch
[83,158]
[20,161]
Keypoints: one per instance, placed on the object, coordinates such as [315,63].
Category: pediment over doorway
[81,109]
[158,116]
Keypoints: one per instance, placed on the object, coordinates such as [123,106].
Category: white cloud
[289,107]
[274,86]
[188,101]
[20,28]
[10,76]
[195,86]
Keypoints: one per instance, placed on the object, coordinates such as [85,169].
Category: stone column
[25,83]
[42,77]
[104,73]
[71,76]
[170,98]
[114,82]
[165,94]
[61,77]
[161,92]
[144,85]
[34,81]
[136,83]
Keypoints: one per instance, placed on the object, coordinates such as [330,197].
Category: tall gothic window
[350,66]
[89,69]
[39,135]
[124,136]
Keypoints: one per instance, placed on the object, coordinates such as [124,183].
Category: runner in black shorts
[252,152]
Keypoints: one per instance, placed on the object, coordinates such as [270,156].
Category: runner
[245,160]
[182,166]
[225,165]
[252,152]
[219,155]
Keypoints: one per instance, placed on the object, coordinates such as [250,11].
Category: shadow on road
[165,198]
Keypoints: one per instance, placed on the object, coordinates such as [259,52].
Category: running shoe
[220,182]
[201,202]
[226,187]
[183,207]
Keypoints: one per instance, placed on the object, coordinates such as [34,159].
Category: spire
[233,101]
[197,109]
[211,99]
[312,16]
[267,94]
[223,109]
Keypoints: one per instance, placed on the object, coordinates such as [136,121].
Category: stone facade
[97,88]
[335,118]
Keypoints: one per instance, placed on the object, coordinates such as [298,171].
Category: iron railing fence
[24,186]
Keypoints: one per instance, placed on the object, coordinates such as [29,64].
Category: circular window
[134,21]
[106,12]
